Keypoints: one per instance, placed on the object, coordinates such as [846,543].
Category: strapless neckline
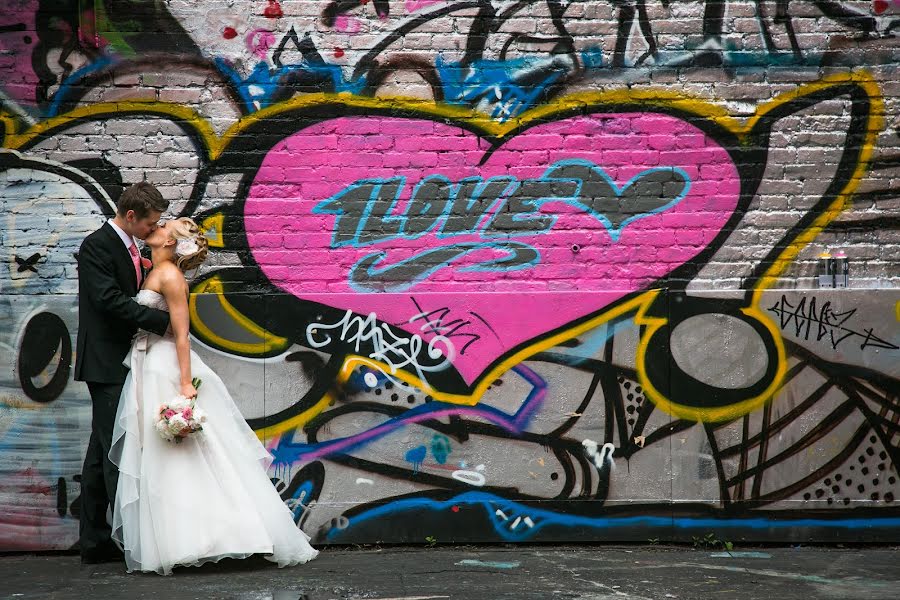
[152,299]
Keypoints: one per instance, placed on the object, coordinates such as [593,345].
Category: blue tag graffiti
[495,209]
[508,87]
[417,456]
[440,448]
[514,521]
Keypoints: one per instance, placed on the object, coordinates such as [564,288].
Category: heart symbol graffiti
[613,194]
[647,193]
[394,220]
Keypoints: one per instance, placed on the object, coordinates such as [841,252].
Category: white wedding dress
[204,499]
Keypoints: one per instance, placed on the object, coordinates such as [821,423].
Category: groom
[110,274]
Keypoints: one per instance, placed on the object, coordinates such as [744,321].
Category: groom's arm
[104,292]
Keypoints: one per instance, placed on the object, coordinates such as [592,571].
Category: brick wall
[481,270]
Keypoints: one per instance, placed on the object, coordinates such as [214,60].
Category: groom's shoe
[103,554]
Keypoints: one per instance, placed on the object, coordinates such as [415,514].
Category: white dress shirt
[126,239]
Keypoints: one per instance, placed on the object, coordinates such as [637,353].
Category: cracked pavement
[456,572]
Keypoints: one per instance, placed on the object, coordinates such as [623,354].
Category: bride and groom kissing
[183,504]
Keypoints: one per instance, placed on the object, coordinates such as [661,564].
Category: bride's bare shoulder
[170,277]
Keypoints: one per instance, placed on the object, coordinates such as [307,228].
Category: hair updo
[186,229]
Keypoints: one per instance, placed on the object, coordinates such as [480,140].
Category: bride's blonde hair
[184,228]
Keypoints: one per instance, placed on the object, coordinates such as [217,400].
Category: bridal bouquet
[179,418]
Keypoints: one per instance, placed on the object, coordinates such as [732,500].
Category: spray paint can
[841,270]
[825,270]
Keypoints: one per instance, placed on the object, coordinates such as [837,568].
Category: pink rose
[187,413]
[145,262]
[169,413]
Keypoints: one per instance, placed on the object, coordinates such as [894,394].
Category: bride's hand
[188,391]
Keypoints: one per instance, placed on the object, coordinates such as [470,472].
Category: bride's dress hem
[214,559]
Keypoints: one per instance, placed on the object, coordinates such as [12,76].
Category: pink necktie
[136,259]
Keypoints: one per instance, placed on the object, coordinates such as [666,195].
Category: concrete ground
[515,572]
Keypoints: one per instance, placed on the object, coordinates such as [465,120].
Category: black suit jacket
[108,316]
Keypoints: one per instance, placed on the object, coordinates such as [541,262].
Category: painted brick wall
[483,270]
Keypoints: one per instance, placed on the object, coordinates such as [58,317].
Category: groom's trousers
[99,476]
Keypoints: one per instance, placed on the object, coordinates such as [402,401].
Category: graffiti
[440,448]
[45,337]
[842,12]
[38,403]
[600,458]
[395,351]
[495,208]
[499,270]
[313,54]
[37,192]
[433,322]
[416,456]
[720,47]
[501,57]
[473,478]
[823,322]
[657,202]
[27,264]
[302,494]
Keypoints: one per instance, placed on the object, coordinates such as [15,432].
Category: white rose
[177,424]
[163,431]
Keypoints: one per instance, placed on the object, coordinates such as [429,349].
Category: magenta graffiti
[346,24]
[17,41]
[387,212]
[412,6]
[259,41]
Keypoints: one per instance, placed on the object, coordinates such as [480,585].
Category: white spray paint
[599,457]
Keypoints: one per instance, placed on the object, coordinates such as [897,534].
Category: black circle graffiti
[684,388]
[46,335]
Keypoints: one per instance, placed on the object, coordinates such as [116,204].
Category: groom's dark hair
[142,198]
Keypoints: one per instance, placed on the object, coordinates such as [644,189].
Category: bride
[208,497]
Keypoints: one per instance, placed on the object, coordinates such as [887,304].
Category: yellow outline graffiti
[117,109]
[215,145]
[297,421]
[214,223]
[7,126]
[722,413]
[215,286]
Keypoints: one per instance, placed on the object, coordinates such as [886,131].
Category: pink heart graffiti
[420,223]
